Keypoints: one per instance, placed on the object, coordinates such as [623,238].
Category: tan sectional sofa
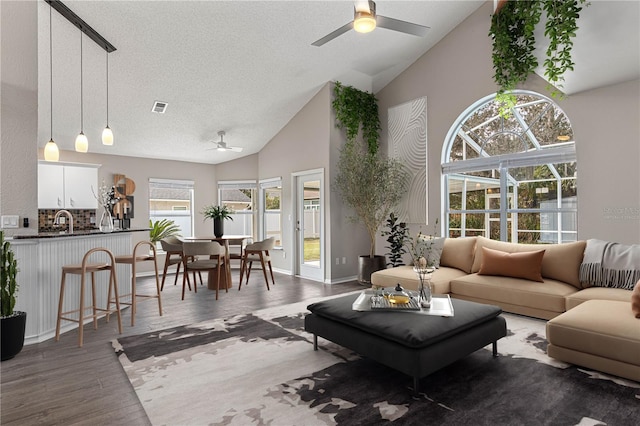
[587,336]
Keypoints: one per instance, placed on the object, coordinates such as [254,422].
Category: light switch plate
[10,221]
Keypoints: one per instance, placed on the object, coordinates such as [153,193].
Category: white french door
[309,224]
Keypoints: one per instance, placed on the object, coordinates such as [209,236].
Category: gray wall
[458,71]
[18,110]
[309,142]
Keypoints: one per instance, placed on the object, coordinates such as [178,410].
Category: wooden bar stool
[83,269]
[133,259]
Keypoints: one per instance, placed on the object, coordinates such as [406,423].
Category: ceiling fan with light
[365,20]
[222,145]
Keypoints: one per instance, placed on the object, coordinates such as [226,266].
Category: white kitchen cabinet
[67,186]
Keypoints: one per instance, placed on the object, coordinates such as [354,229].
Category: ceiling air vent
[159,107]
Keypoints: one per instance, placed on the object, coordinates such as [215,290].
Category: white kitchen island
[40,260]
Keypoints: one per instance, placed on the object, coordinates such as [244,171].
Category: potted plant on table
[13,323]
[372,185]
[219,214]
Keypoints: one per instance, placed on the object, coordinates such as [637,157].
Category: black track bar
[83,26]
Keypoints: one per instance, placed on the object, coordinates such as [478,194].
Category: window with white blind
[240,197]
[172,199]
[271,209]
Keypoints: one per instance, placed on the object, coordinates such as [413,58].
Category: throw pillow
[635,300]
[527,265]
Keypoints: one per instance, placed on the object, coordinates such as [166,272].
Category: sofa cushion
[527,265]
[635,300]
[458,253]
[548,295]
[407,278]
[560,262]
[597,293]
[604,328]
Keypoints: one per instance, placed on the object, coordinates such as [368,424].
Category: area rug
[261,369]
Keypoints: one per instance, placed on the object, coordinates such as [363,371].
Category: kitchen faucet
[56,219]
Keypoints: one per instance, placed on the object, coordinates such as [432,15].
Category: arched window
[511,178]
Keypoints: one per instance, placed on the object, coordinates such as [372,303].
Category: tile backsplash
[83,219]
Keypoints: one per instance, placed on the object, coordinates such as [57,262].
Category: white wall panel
[408,143]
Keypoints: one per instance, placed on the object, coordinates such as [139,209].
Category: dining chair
[258,251]
[172,246]
[215,261]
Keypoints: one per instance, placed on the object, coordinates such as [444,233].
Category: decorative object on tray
[424,275]
[379,300]
[396,299]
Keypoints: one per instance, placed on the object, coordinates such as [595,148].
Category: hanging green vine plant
[355,109]
[513,48]
[560,29]
[512,31]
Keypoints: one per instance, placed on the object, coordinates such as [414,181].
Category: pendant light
[82,144]
[107,134]
[51,152]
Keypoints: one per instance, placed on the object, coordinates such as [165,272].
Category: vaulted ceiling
[247,67]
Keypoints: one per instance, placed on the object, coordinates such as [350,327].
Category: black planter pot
[218,227]
[368,265]
[13,334]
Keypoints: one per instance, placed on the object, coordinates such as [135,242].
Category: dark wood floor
[60,383]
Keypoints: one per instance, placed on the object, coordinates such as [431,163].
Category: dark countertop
[79,233]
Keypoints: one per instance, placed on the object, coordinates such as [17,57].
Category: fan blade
[343,29]
[401,26]
[235,148]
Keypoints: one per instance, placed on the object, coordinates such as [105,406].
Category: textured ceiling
[239,66]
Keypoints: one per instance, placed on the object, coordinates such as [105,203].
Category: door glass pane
[311,222]
[272,214]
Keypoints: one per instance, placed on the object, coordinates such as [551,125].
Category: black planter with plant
[370,184]
[13,323]
[218,214]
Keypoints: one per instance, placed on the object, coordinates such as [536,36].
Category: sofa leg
[495,348]
[416,386]
[315,342]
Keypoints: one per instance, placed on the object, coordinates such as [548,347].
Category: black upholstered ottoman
[410,342]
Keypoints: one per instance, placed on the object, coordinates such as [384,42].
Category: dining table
[225,241]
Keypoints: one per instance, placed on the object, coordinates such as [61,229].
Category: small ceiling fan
[365,20]
[222,145]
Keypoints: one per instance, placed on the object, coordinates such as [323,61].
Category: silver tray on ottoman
[370,300]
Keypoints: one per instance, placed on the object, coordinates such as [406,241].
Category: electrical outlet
[337,260]
[344,260]
[284,254]
[10,221]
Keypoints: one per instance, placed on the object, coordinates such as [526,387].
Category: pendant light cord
[107,89]
[81,91]
[51,69]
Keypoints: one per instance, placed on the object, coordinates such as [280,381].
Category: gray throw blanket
[607,264]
